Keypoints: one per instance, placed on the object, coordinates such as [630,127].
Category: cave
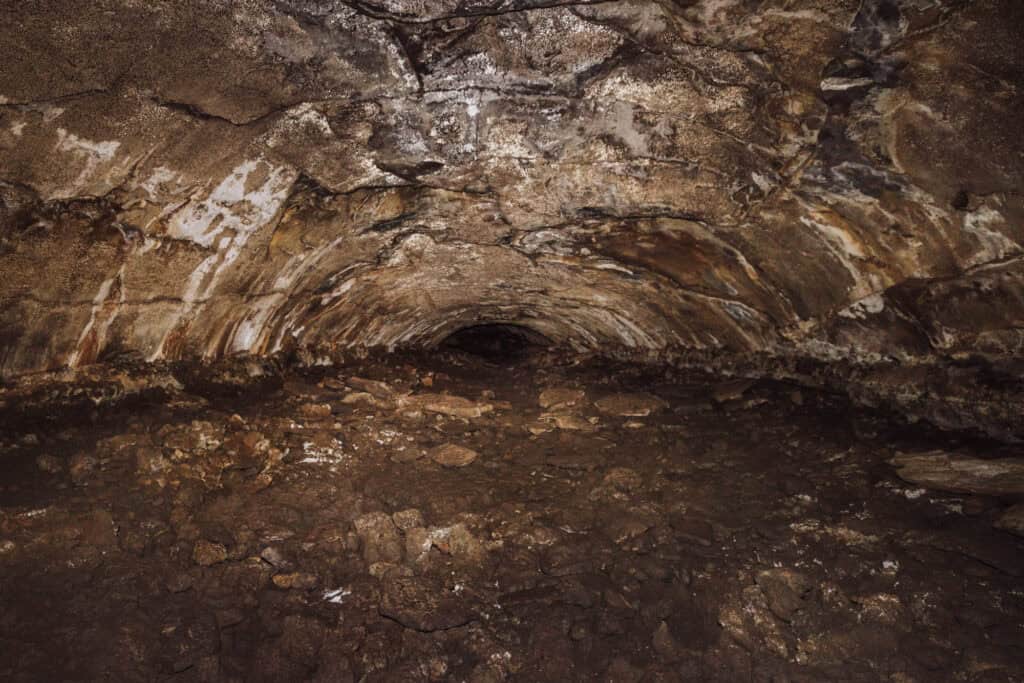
[512,340]
[496,342]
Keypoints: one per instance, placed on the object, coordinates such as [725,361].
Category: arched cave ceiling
[203,178]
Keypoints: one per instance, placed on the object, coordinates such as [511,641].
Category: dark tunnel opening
[496,342]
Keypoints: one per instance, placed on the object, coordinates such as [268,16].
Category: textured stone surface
[1012,520]
[952,472]
[453,455]
[818,178]
[759,540]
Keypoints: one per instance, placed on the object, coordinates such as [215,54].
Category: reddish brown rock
[453,455]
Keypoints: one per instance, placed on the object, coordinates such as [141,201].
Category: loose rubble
[444,518]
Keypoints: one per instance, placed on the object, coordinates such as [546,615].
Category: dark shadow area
[496,342]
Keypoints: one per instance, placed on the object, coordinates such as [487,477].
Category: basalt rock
[953,472]
[820,179]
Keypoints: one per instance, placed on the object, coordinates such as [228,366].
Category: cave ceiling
[199,179]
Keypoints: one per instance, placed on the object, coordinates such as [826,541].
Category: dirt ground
[450,517]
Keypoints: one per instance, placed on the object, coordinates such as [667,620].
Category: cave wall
[832,178]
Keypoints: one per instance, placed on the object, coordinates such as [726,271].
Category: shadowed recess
[496,341]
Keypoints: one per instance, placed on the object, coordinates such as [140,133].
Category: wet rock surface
[276,536]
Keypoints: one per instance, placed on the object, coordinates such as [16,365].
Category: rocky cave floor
[606,523]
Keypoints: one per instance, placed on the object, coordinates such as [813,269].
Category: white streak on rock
[859,310]
[226,220]
[983,225]
[100,316]
[93,154]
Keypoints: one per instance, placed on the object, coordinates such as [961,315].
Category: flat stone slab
[560,396]
[452,455]
[960,474]
[455,406]
[630,405]
[732,390]
[423,605]
[1012,520]
[373,387]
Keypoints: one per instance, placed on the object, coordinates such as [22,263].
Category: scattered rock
[275,558]
[457,541]
[50,464]
[456,406]
[360,397]
[626,527]
[961,474]
[207,554]
[630,405]
[407,519]
[618,484]
[417,544]
[747,619]
[316,410]
[560,397]
[784,591]
[150,461]
[882,608]
[1012,520]
[375,388]
[296,580]
[452,455]
[380,538]
[199,436]
[642,563]
[423,605]
[730,391]
[250,443]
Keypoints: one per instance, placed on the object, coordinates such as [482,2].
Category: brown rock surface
[630,405]
[423,605]
[453,455]
[641,177]
[695,181]
[1012,520]
[560,396]
[766,540]
[953,472]
[236,237]
[207,553]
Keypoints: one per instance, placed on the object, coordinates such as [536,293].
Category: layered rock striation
[837,180]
